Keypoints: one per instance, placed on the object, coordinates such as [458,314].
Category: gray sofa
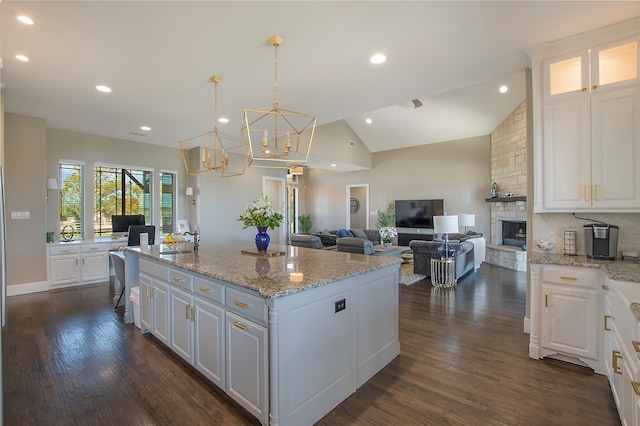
[329,238]
[424,251]
[306,240]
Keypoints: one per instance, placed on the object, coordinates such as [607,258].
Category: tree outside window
[72,198]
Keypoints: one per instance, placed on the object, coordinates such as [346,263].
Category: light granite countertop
[271,277]
[617,270]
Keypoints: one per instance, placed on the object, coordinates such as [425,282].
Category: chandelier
[278,138]
[215,153]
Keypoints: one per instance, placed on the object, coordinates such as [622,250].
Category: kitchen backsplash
[551,226]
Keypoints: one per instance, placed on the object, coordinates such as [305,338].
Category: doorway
[275,188]
[357,206]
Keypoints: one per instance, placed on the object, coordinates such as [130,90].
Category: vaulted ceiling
[157,57]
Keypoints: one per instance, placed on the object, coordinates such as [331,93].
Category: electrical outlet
[341,305]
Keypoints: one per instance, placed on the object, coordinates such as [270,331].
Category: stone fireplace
[507,245]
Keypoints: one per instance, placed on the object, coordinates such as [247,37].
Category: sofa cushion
[359,233]
[344,233]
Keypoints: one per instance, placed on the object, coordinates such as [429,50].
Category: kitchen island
[288,336]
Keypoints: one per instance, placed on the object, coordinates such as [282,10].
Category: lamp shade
[189,190]
[467,219]
[445,224]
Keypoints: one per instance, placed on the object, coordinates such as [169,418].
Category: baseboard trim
[527,325]
[18,289]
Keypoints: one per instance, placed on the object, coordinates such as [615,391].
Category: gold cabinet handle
[615,356]
[569,278]
[636,345]
[187,309]
[636,387]
[205,290]
[605,287]
[240,304]
[193,314]
[178,280]
[586,192]
[594,87]
[546,300]
[240,325]
[584,89]
[606,318]
[597,192]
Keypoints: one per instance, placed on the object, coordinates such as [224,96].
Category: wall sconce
[189,193]
[52,184]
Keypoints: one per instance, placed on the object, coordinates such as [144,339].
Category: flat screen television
[120,222]
[417,213]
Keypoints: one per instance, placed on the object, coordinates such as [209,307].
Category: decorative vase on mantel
[262,239]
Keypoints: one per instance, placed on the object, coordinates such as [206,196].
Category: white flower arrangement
[387,234]
[261,212]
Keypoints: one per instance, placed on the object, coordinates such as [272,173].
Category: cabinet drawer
[154,269]
[209,289]
[64,249]
[181,279]
[247,305]
[570,276]
[92,248]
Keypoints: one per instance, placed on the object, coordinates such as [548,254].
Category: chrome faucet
[196,239]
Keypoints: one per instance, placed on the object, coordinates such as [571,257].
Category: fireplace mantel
[506,199]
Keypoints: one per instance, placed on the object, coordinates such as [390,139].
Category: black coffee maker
[601,241]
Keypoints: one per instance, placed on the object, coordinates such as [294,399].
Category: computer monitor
[136,230]
[120,223]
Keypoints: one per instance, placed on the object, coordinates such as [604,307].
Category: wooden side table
[443,273]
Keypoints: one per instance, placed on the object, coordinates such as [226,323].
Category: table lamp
[467,220]
[445,225]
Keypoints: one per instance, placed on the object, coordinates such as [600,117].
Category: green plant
[304,223]
[388,217]
[261,212]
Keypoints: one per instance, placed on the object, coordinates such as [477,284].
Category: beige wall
[25,191]
[456,171]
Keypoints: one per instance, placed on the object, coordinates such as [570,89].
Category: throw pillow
[359,233]
[344,233]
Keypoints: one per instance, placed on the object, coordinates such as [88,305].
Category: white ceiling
[157,56]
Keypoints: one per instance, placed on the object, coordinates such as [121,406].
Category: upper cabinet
[586,122]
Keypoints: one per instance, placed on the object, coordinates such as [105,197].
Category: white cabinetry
[565,314]
[154,300]
[586,122]
[78,263]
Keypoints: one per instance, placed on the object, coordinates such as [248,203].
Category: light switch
[20,215]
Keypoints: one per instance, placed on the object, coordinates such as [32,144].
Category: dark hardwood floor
[69,360]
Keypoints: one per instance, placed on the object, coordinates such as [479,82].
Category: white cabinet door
[64,269]
[160,311]
[182,324]
[247,365]
[95,266]
[146,303]
[570,320]
[209,353]
[567,154]
[616,148]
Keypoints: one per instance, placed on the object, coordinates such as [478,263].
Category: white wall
[456,171]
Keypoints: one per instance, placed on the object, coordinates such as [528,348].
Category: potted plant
[386,222]
[262,214]
[304,223]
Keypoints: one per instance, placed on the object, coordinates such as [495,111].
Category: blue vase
[262,239]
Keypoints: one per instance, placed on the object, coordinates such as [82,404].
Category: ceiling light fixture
[145,128]
[25,20]
[278,138]
[378,58]
[368,121]
[22,58]
[223,120]
[104,89]
[296,171]
[417,103]
[215,154]
[504,89]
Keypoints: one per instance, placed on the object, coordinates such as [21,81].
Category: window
[167,202]
[72,198]
[120,191]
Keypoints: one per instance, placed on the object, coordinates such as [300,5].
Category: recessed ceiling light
[503,89]
[104,89]
[145,128]
[223,120]
[378,58]
[368,121]
[22,58]
[25,20]
[334,165]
